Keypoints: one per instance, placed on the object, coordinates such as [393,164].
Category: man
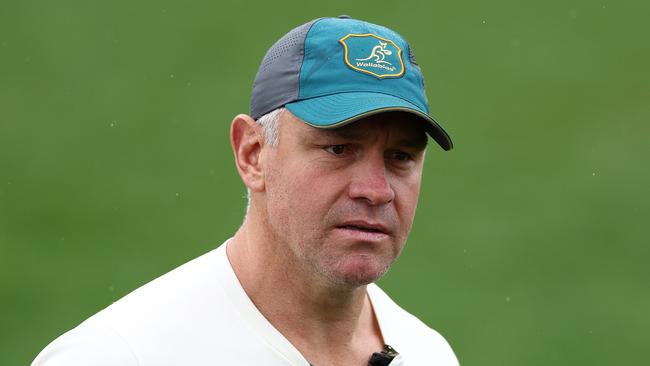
[332,157]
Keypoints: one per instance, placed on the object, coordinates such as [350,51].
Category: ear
[247,142]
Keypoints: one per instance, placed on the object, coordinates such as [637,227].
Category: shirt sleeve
[87,346]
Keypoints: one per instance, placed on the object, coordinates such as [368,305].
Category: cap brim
[336,110]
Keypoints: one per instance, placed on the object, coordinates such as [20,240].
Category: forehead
[401,127]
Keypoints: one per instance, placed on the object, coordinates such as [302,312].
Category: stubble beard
[315,254]
[340,269]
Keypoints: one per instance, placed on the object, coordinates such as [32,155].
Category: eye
[400,156]
[335,149]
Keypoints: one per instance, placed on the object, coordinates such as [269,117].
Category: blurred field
[531,242]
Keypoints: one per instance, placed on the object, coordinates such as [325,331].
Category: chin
[358,272]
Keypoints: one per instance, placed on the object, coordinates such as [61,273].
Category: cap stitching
[302,62]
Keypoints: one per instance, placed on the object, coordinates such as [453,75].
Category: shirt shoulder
[88,345]
[416,342]
[197,314]
[147,324]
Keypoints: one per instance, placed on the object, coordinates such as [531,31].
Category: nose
[370,182]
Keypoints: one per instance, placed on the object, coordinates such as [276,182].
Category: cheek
[289,186]
[406,200]
[295,199]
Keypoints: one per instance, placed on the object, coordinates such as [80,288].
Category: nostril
[374,191]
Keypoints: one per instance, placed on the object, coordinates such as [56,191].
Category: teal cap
[333,71]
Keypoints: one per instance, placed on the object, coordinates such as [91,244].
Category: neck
[311,312]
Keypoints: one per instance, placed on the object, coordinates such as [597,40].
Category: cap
[333,71]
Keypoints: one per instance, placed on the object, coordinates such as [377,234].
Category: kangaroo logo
[378,53]
[373,55]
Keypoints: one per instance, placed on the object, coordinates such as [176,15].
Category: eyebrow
[420,142]
[349,134]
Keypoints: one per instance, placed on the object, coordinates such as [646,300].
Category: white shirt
[199,314]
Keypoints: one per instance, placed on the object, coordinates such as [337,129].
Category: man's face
[341,202]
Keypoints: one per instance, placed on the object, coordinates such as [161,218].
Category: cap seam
[304,52]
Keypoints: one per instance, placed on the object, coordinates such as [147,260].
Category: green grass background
[531,241]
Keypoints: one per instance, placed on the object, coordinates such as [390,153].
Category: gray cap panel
[278,78]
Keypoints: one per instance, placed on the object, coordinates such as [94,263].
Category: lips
[364,227]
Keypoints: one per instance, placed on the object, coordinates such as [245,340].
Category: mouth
[364,227]
[368,229]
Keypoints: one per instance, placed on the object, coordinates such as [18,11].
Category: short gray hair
[270,123]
